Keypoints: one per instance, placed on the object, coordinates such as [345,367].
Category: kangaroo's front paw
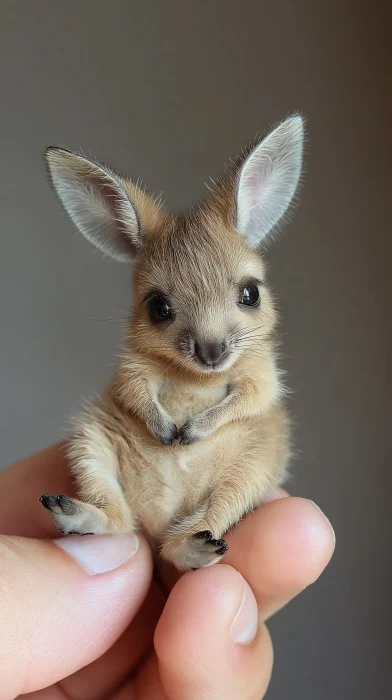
[195,429]
[161,425]
[166,433]
[73,517]
[58,504]
[194,551]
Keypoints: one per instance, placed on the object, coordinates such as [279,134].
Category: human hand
[124,634]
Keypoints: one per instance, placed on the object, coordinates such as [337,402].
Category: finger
[24,482]
[146,686]
[207,641]
[280,549]
[99,679]
[64,603]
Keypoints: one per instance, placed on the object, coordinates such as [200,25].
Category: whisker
[245,333]
[250,338]
[100,320]
[131,311]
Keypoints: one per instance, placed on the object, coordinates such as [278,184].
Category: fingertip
[311,542]
[206,597]
[289,542]
[44,584]
[332,537]
[305,539]
[208,637]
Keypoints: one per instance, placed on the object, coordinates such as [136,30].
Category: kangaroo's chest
[175,472]
[182,400]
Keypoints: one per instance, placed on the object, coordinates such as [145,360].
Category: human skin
[136,631]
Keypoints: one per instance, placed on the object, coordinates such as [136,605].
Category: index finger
[280,549]
[21,485]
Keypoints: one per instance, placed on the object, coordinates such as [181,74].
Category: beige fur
[184,496]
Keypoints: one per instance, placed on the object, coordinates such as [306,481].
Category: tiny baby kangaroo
[191,435]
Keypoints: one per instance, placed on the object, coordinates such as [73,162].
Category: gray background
[168,91]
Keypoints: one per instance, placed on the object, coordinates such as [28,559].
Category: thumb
[63,603]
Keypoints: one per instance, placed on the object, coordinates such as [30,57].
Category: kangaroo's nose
[210,354]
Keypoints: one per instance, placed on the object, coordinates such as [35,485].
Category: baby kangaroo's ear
[268,179]
[98,203]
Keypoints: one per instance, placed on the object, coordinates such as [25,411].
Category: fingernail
[100,554]
[245,623]
[328,521]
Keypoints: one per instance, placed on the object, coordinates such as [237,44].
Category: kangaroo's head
[200,295]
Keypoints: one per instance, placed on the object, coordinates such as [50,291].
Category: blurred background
[169,91]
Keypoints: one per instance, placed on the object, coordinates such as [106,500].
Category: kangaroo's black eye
[249,295]
[159,309]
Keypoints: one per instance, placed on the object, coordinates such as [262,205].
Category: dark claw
[221,546]
[222,549]
[185,437]
[48,501]
[66,504]
[168,436]
[184,440]
[204,535]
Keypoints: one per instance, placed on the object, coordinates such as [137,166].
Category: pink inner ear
[108,194]
[257,183]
